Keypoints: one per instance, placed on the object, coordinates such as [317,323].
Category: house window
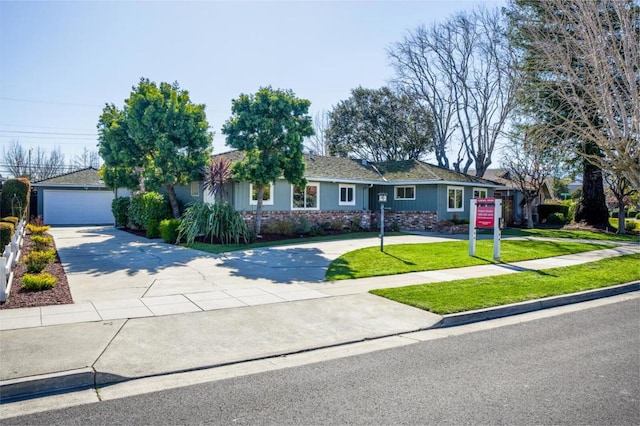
[195,189]
[405,192]
[347,195]
[455,194]
[480,193]
[305,198]
[267,197]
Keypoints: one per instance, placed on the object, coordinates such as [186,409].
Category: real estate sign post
[485,213]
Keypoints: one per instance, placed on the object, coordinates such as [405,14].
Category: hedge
[19,187]
[148,209]
[544,210]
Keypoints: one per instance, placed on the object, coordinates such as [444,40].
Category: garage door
[77,207]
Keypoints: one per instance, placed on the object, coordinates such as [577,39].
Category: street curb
[86,378]
[33,386]
[469,317]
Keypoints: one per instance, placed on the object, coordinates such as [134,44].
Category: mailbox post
[382,198]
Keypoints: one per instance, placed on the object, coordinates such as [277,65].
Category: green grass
[574,234]
[403,258]
[224,248]
[465,295]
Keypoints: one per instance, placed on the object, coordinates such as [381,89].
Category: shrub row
[544,210]
[144,211]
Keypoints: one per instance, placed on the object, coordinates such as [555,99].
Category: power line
[47,133]
[44,127]
[32,101]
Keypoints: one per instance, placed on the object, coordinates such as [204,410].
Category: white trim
[317,207]
[195,193]
[268,202]
[486,192]
[353,194]
[456,188]
[395,192]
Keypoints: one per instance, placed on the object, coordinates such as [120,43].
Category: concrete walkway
[144,308]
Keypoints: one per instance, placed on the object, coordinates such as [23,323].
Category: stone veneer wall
[409,220]
[412,220]
[315,217]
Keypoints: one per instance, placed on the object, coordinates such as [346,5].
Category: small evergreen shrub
[120,210]
[38,282]
[556,219]
[38,229]
[153,228]
[36,260]
[14,206]
[41,242]
[169,230]
[571,215]
[544,210]
[629,225]
[148,206]
[631,214]
[303,225]
[638,215]
[11,219]
[6,232]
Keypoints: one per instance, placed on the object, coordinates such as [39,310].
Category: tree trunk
[621,216]
[592,208]
[258,221]
[173,201]
[529,206]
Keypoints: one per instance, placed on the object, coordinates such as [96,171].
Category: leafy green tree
[159,138]
[269,127]
[379,125]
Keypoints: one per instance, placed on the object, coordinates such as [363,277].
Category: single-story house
[75,198]
[418,194]
[513,208]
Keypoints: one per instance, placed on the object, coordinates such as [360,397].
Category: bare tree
[86,159]
[529,164]
[36,164]
[621,188]
[318,141]
[588,55]
[15,158]
[463,71]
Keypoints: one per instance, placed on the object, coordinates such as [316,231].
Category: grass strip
[404,258]
[574,234]
[225,248]
[466,295]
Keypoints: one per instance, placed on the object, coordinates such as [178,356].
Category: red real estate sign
[485,208]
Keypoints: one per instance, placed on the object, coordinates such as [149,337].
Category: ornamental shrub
[556,219]
[169,230]
[14,206]
[37,260]
[11,219]
[544,210]
[41,242]
[120,210]
[6,232]
[148,206]
[629,225]
[153,228]
[38,229]
[38,282]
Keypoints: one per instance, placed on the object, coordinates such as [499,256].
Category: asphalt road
[577,368]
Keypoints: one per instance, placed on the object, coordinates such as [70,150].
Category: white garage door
[77,207]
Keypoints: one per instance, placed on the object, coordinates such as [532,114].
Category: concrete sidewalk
[244,314]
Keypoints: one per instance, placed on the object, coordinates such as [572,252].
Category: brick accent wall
[315,217]
[409,220]
[412,220]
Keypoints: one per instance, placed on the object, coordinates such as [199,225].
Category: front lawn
[403,258]
[465,295]
[566,233]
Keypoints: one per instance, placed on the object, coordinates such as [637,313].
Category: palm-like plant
[216,175]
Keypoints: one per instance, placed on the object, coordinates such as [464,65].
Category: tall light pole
[382,198]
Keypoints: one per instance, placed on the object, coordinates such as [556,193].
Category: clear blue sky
[60,62]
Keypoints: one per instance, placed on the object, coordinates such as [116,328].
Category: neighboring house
[513,209]
[76,198]
[343,189]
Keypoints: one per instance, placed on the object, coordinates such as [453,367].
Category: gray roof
[84,177]
[343,169]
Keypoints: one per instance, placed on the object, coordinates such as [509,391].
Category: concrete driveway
[104,263]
